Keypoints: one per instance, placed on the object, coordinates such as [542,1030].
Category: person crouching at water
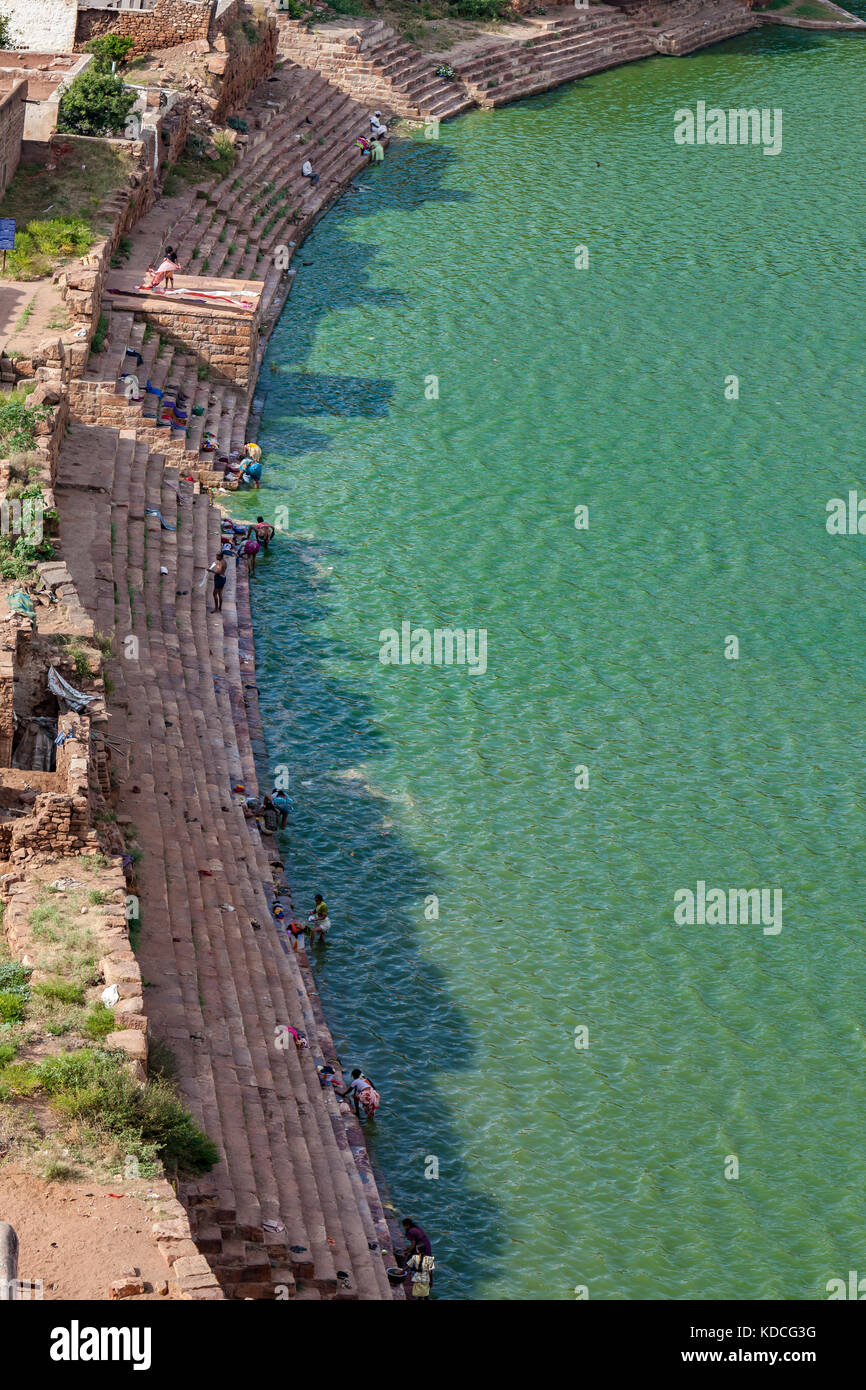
[219,568]
[319,919]
[283,803]
[363,1093]
[418,1259]
[377,152]
[264,531]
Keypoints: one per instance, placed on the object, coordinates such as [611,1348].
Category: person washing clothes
[319,919]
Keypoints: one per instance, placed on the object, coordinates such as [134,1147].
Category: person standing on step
[219,568]
[251,549]
[319,919]
[377,152]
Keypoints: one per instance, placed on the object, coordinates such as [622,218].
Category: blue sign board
[7,233]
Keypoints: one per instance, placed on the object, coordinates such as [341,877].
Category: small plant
[12,1007]
[100,335]
[22,321]
[80,659]
[55,1171]
[64,991]
[99,1022]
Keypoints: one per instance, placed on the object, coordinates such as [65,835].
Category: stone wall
[225,341]
[242,66]
[82,283]
[12,112]
[44,24]
[170,22]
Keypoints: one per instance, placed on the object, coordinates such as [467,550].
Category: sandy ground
[76,1238]
[15,298]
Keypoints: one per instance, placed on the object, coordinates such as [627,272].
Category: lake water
[562,1165]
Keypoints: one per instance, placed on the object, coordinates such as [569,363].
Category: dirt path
[77,1238]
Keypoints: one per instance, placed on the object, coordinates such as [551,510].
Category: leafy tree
[110,48]
[96,103]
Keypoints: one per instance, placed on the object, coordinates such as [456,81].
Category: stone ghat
[233,230]
[559,46]
[682,26]
[288,1212]
[372,63]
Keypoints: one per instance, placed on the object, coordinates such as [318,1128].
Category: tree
[110,48]
[96,103]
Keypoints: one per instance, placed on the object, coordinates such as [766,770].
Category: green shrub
[14,977]
[110,48]
[62,990]
[100,334]
[18,422]
[99,1022]
[94,1086]
[7,1053]
[478,9]
[41,243]
[18,1079]
[12,1007]
[95,103]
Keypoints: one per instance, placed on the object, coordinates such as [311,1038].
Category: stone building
[43,24]
[46,77]
[13,103]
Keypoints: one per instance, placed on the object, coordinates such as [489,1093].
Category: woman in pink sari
[163,276]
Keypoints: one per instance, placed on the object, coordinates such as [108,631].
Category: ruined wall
[46,25]
[170,22]
[12,111]
[242,66]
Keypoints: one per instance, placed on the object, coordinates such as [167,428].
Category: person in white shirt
[307,171]
[377,129]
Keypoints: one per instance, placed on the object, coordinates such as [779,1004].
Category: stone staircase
[680,26]
[564,45]
[371,62]
[231,228]
[288,1211]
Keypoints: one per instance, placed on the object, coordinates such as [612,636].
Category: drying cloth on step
[75,699]
[154,511]
[21,603]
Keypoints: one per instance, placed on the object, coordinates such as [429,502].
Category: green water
[602,1167]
